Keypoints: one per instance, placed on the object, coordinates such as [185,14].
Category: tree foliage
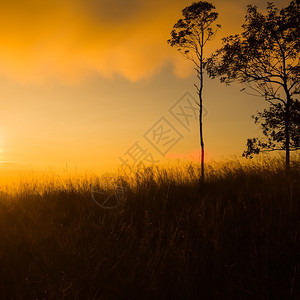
[265,56]
[191,33]
[272,124]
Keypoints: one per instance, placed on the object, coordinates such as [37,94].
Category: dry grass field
[234,236]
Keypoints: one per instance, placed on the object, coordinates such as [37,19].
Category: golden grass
[235,236]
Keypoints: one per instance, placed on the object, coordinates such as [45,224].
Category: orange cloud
[67,40]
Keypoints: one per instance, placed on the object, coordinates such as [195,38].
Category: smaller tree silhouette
[190,36]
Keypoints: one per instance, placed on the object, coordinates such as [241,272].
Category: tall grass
[235,236]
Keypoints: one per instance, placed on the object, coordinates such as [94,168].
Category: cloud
[114,13]
[68,40]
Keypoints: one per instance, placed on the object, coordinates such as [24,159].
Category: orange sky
[83,80]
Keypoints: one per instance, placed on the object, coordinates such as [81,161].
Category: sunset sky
[81,81]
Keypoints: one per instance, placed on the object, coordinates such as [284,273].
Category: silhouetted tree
[265,58]
[190,35]
[272,122]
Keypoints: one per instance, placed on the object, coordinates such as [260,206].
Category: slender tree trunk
[201,113]
[201,136]
[287,115]
[287,135]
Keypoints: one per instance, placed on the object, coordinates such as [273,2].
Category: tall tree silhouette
[265,59]
[190,36]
